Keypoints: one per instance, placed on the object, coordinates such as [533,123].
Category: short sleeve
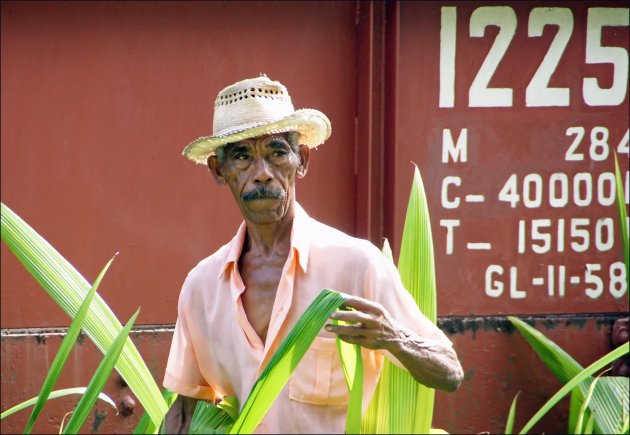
[183,375]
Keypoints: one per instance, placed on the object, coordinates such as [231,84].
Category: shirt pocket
[318,379]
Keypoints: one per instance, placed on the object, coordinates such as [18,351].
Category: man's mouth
[264,192]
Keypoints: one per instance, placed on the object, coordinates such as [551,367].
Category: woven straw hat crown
[256,107]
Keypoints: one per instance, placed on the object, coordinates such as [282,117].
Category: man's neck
[274,238]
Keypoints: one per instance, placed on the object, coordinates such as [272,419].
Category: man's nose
[262,171]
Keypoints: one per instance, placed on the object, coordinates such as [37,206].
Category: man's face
[260,173]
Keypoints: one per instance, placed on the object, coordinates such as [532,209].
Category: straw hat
[256,107]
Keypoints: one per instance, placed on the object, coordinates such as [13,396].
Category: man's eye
[240,157]
[279,153]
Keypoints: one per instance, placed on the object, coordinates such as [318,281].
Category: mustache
[264,192]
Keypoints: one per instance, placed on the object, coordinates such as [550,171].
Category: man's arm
[179,416]
[431,363]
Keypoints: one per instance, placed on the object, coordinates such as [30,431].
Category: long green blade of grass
[145,424]
[609,402]
[584,407]
[623,220]
[352,363]
[400,404]
[509,425]
[283,363]
[607,396]
[566,389]
[411,410]
[562,365]
[53,395]
[68,289]
[83,408]
[64,351]
[209,419]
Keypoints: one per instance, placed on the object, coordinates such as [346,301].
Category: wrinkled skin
[261,174]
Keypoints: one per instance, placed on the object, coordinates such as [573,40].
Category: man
[237,305]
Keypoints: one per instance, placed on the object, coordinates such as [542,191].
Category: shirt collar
[300,241]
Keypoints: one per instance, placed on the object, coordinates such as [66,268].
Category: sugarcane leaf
[284,361]
[399,403]
[229,404]
[609,402]
[352,363]
[606,396]
[558,361]
[64,351]
[209,418]
[584,407]
[580,377]
[509,425]
[588,430]
[68,289]
[145,424]
[83,408]
[416,266]
[53,395]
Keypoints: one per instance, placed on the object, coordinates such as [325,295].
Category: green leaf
[584,407]
[580,377]
[99,379]
[53,395]
[623,219]
[606,398]
[64,351]
[609,402]
[509,425]
[68,289]
[562,365]
[352,363]
[588,430]
[285,360]
[399,403]
[209,418]
[145,424]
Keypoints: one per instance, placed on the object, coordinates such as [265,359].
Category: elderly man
[237,305]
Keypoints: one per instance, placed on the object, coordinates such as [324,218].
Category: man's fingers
[349,330]
[352,316]
[363,305]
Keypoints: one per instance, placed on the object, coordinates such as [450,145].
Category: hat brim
[312,125]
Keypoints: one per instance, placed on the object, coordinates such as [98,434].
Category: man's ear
[304,152]
[215,168]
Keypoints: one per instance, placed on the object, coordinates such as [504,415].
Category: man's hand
[432,363]
[372,327]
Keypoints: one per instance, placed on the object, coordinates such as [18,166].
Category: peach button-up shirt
[215,351]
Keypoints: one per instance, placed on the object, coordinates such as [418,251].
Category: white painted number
[480,95]
[538,92]
[509,191]
[596,53]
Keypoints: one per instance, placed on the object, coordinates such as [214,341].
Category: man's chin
[264,211]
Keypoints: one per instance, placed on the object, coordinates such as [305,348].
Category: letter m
[459,151]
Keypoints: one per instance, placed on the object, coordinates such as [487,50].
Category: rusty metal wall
[98,100]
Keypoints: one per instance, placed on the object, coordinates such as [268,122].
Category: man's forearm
[431,363]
